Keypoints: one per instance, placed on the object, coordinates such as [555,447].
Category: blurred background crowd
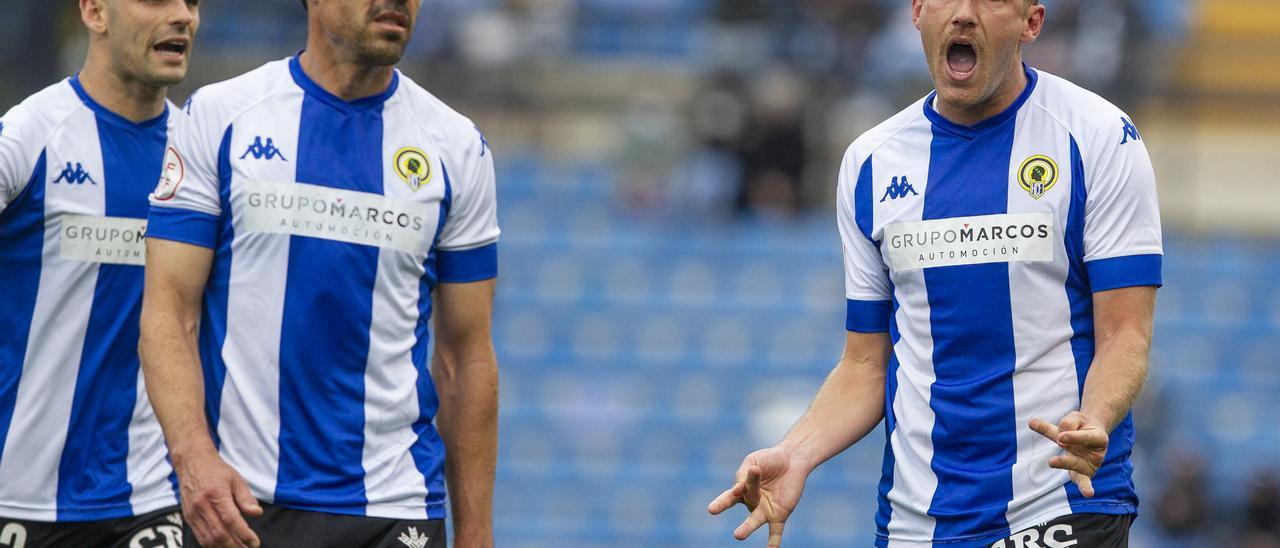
[671,294]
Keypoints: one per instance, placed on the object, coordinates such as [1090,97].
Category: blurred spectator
[1182,510]
[1262,513]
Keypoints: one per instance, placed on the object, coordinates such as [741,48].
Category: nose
[184,15]
[965,14]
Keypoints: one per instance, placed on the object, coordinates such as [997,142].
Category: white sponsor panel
[342,215]
[110,240]
[1011,237]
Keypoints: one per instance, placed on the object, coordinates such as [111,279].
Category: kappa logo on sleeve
[172,175]
[1130,131]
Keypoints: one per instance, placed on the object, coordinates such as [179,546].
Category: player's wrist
[799,455]
[191,451]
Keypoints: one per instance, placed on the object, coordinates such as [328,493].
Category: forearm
[468,423]
[171,368]
[1116,376]
[848,406]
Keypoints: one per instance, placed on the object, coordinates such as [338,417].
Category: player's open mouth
[962,59]
[173,49]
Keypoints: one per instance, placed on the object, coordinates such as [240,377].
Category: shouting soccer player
[1002,249]
[312,215]
[82,460]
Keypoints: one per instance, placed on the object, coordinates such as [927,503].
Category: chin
[167,77]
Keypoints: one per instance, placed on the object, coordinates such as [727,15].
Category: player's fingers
[235,524]
[751,490]
[1084,483]
[1073,463]
[775,533]
[725,501]
[1045,429]
[754,520]
[1090,438]
[1073,421]
[244,498]
[215,534]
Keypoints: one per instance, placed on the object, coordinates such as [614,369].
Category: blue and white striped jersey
[78,439]
[978,248]
[331,222]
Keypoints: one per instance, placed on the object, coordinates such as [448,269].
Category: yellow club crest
[1037,175]
[413,167]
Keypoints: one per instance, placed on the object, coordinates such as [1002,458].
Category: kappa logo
[484,143]
[261,151]
[1130,131]
[1037,175]
[899,190]
[76,176]
[413,539]
[412,166]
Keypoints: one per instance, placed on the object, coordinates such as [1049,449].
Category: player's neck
[1004,96]
[131,99]
[344,79]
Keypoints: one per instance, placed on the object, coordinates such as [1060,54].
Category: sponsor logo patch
[1012,237]
[108,240]
[341,215]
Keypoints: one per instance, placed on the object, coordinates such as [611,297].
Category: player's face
[151,40]
[374,32]
[974,46]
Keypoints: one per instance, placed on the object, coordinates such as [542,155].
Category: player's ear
[94,15]
[916,5]
[1035,23]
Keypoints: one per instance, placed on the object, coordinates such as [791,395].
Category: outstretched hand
[1085,440]
[769,483]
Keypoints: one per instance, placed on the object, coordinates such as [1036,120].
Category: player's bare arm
[1124,324]
[849,404]
[465,370]
[213,495]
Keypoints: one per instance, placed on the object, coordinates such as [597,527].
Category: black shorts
[280,527]
[159,529]
[1076,531]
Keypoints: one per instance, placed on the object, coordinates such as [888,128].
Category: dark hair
[304,4]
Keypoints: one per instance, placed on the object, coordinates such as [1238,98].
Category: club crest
[1038,175]
[413,167]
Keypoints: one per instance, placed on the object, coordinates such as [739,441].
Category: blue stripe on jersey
[92,475]
[21,250]
[429,453]
[971,317]
[863,201]
[885,512]
[1113,485]
[324,341]
[471,265]
[1118,272]
[183,225]
[217,291]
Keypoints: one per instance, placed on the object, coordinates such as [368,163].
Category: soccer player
[1002,249]
[313,215]
[82,459]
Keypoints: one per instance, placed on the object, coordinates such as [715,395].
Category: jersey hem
[430,511]
[1094,507]
[88,513]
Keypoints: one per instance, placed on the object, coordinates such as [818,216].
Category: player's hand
[769,482]
[214,501]
[1085,440]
